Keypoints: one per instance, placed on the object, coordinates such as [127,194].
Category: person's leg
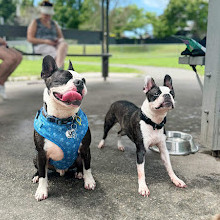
[45,50]
[10,60]
[16,58]
[62,48]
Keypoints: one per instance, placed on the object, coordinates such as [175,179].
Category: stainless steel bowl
[179,143]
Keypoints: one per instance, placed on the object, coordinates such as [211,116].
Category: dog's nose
[78,83]
[166,95]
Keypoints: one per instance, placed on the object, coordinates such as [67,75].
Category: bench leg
[105,67]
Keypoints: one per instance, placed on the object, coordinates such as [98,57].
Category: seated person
[46,36]
[10,60]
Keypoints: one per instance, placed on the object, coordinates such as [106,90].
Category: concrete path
[115,196]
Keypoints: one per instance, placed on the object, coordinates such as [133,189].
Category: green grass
[161,55]
[33,68]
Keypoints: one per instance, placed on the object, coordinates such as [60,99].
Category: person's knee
[6,57]
[16,58]
[64,45]
[19,58]
[10,61]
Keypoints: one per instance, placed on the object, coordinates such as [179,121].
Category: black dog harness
[154,125]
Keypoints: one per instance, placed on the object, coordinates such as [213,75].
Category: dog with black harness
[145,126]
[61,132]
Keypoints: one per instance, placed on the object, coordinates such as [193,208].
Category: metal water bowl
[178,143]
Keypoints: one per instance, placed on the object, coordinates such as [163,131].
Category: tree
[26,12]
[129,18]
[67,13]
[176,16]
[118,21]
[7,9]
[137,21]
[27,3]
[198,13]
[90,16]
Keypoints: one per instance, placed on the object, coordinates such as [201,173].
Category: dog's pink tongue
[71,96]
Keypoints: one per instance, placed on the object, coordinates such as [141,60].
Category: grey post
[210,123]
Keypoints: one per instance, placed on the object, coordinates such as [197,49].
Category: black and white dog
[145,126]
[62,136]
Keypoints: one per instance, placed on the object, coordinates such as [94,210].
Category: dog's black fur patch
[153,94]
[127,115]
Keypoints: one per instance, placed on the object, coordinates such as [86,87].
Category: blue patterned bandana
[66,136]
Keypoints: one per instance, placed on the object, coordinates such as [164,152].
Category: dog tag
[71,133]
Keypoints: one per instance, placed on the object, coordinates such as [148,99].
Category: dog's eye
[83,79]
[156,94]
[172,93]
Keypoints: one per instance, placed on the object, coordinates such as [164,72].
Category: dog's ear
[70,66]
[48,67]
[168,82]
[148,84]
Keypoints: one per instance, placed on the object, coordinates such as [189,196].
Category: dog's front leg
[42,191]
[89,182]
[142,186]
[164,154]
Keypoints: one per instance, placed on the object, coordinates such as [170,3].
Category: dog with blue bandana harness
[61,132]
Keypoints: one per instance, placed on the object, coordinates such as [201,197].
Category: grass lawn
[33,68]
[161,55]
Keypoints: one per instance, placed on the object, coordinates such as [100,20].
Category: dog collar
[61,121]
[154,125]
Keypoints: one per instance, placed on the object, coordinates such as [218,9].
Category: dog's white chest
[150,136]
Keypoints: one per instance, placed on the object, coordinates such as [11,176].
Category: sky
[156,6]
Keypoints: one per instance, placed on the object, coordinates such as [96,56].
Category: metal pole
[107,26]
[103,41]
[103,26]
[105,59]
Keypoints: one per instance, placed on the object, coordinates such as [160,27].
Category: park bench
[82,37]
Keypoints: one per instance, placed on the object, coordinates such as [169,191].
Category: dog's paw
[35,179]
[143,190]
[41,193]
[89,182]
[101,144]
[121,148]
[78,175]
[178,182]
